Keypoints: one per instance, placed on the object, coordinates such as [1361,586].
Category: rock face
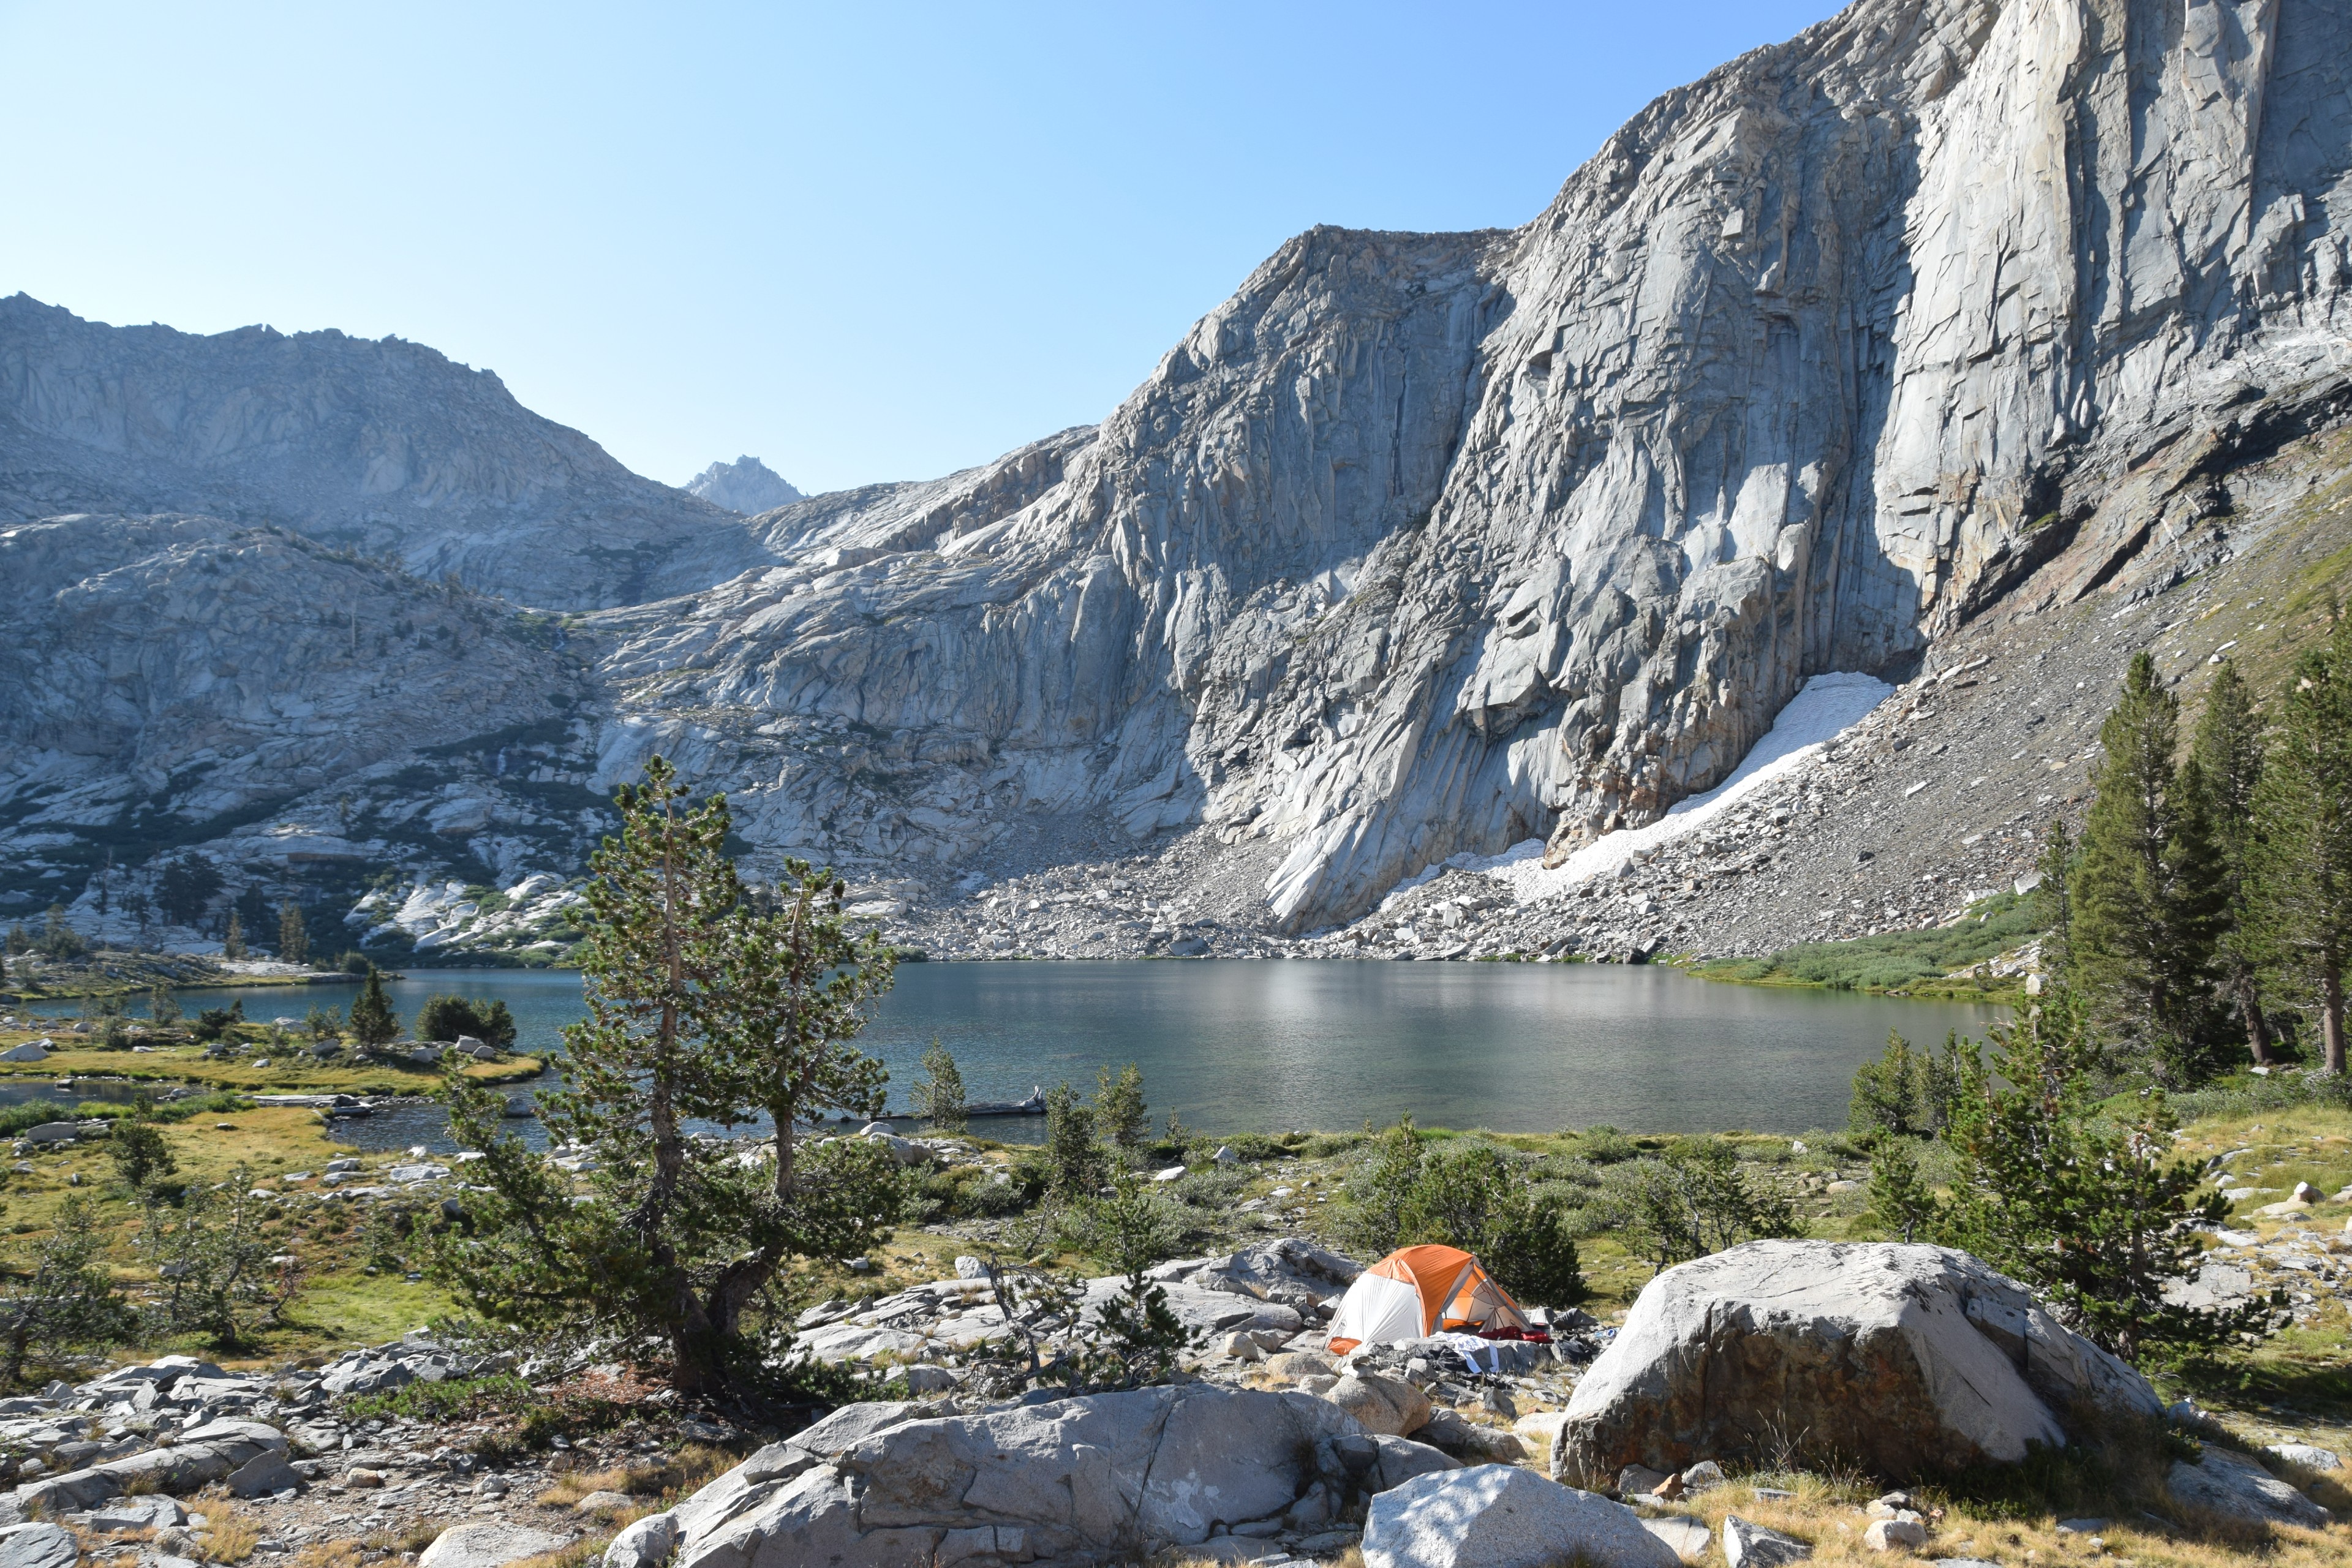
[1430,543]
[746,485]
[1905,1360]
[1421,544]
[1080,1479]
[166,673]
[369,445]
[1499,1516]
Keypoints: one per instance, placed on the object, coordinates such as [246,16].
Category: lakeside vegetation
[1950,962]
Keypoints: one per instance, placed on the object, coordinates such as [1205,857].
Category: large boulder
[1401,1459]
[1500,1516]
[1089,1477]
[1912,1360]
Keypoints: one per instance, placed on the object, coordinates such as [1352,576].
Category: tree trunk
[2258,1027]
[2331,1016]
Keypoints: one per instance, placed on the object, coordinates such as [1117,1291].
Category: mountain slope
[1945,314]
[1422,544]
[382,447]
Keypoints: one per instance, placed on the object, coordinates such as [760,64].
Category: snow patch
[1827,707]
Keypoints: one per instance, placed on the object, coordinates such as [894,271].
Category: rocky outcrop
[746,485]
[375,447]
[307,710]
[210,1452]
[1075,1480]
[1903,1360]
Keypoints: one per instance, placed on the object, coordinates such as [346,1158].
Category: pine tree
[2077,1201]
[704,1005]
[293,935]
[1901,1200]
[233,942]
[1119,1110]
[2229,753]
[1075,1162]
[2148,895]
[66,1300]
[2053,902]
[2302,860]
[938,1095]
[373,1022]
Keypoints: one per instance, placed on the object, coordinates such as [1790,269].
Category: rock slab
[2235,1487]
[1750,1545]
[1091,1476]
[492,1543]
[1921,1357]
[37,1546]
[1499,1516]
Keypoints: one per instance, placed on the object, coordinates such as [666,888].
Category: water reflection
[1236,1045]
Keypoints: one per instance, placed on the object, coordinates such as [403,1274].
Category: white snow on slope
[1827,707]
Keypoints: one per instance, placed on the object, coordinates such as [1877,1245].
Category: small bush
[446,1017]
[454,1399]
[1604,1145]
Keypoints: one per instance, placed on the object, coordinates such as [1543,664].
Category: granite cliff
[1940,315]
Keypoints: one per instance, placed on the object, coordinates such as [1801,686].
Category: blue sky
[862,241]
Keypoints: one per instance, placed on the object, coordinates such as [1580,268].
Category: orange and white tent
[1417,1291]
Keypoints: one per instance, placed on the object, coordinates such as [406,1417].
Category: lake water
[1236,1045]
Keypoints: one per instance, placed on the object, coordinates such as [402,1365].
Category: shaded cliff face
[387,446]
[1424,544]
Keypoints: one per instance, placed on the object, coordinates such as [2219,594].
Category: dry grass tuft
[228,1538]
[693,1467]
[328,1554]
[579,1554]
[409,1538]
[1826,1511]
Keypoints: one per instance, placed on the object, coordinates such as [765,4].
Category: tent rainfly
[1417,1291]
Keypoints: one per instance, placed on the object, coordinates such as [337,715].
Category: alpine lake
[1242,1045]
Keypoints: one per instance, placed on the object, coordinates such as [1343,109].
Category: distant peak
[746,485]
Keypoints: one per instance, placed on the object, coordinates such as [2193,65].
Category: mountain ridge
[1422,545]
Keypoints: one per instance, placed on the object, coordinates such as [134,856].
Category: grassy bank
[1947,962]
[295,1073]
[112,974]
